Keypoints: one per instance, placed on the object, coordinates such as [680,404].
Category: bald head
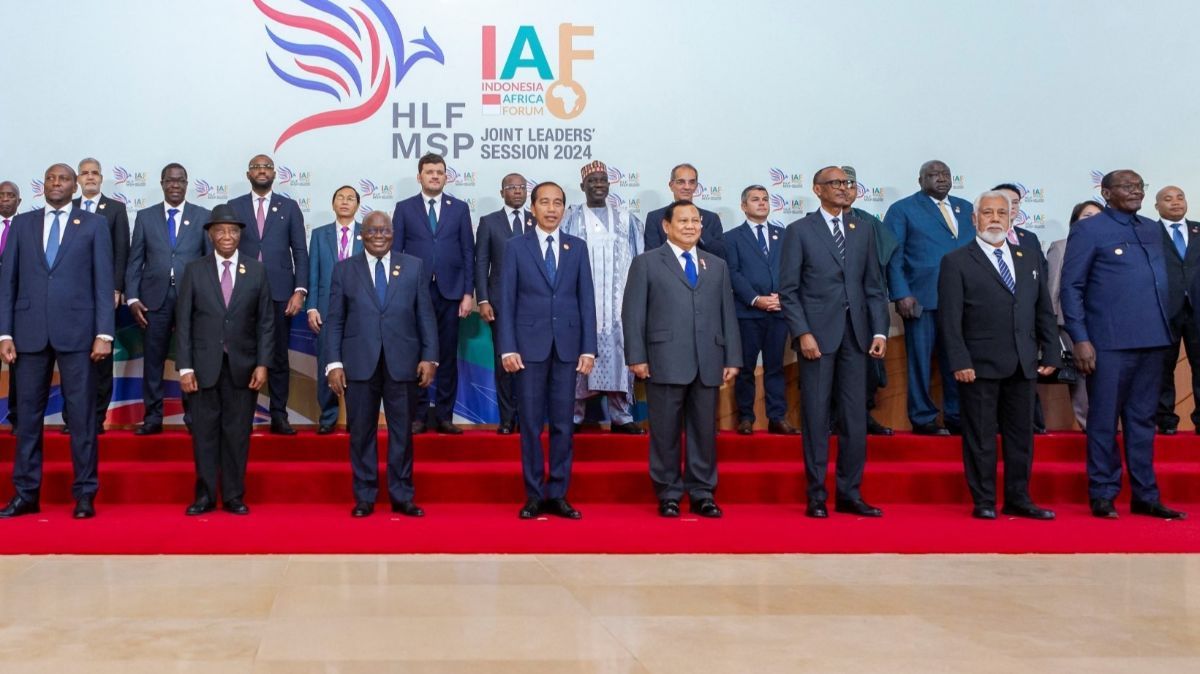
[1171,204]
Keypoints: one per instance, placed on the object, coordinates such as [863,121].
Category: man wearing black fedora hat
[224,332]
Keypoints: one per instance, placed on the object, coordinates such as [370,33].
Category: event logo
[471,203]
[129,178]
[38,187]
[959,183]
[512,92]
[462,178]
[1038,221]
[1021,220]
[618,177]
[364,211]
[866,193]
[629,206]
[784,205]
[783,179]
[1097,178]
[205,190]
[136,204]
[704,193]
[294,178]
[371,190]
[354,57]
[305,203]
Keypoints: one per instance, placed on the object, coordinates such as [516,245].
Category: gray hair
[992,194]
[90,160]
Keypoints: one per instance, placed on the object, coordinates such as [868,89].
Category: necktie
[551,263]
[380,282]
[260,219]
[344,249]
[432,216]
[689,268]
[4,236]
[226,282]
[52,242]
[89,206]
[1005,273]
[762,241]
[517,230]
[948,217]
[839,239]
[171,233]
[1177,238]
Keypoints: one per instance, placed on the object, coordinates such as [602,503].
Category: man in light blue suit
[56,293]
[436,227]
[329,245]
[927,225]
[166,237]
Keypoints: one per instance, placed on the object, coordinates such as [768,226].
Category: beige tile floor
[531,614]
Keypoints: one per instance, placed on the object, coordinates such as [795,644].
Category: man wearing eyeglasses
[495,229]
[685,179]
[1115,293]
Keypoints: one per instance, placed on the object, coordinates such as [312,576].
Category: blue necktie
[1177,238]
[762,241]
[689,268]
[380,282]
[517,229]
[432,216]
[1005,273]
[171,225]
[88,206]
[52,243]
[551,263]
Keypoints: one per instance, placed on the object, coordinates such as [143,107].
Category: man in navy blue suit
[683,183]
[927,225]
[1114,295]
[495,229]
[275,235]
[10,199]
[381,345]
[166,237]
[436,227]
[329,245]
[56,293]
[752,251]
[1181,243]
[545,340]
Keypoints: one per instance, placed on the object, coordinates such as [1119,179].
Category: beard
[992,237]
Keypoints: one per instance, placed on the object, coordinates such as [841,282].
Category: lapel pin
[1020,254]
[241,269]
[1035,273]
[396,270]
[774,237]
[102,206]
[1119,251]
[274,209]
[566,246]
[75,221]
[702,265]
[850,225]
[957,209]
[186,223]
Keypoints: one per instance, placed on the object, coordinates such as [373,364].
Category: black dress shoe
[816,510]
[1027,510]
[560,507]
[705,507]
[1167,430]
[407,508]
[201,506]
[1103,507]
[1155,509]
[627,428]
[668,507]
[148,429]
[84,508]
[324,429]
[505,429]
[362,509]
[859,507]
[418,427]
[931,428]
[876,428]
[983,513]
[447,428]
[235,506]
[1039,430]
[954,427]
[19,506]
[745,427]
[531,509]
[282,427]
[781,427]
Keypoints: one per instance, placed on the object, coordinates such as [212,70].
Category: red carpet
[299,490]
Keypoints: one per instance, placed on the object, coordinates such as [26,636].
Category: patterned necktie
[551,263]
[260,219]
[762,241]
[4,236]
[344,249]
[89,206]
[380,282]
[52,242]
[226,282]
[1177,238]
[171,233]
[948,217]
[689,268]
[517,230]
[1005,273]
[432,216]
[839,239]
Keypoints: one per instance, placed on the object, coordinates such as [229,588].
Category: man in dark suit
[1115,294]
[224,331]
[381,345]
[683,183]
[56,293]
[544,341]
[436,227]
[329,245]
[752,253]
[833,300]
[681,338]
[1181,243]
[927,225]
[274,235]
[495,229]
[92,200]
[994,316]
[10,199]
[166,237]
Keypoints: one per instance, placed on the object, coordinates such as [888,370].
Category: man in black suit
[381,345]
[225,330]
[833,299]
[495,229]
[683,183]
[1181,243]
[89,179]
[10,199]
[994,315]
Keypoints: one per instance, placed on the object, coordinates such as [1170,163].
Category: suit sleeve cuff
[588,355]
[107,338]
[186,371]
[754,300]
[301,290]
[506,355]
[311,310]
[131,301]
[878,336]
[5,338]
[331,367]
[483,302]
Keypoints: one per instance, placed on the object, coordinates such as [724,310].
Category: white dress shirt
[989,250]
[1183,229]
[679,257]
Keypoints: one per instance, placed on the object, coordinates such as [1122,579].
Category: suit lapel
[238,271]
[826,236]
[978,255]
[1024,270]
[539,260]
[936,212]
[393,280]
[365,269]
[668,257]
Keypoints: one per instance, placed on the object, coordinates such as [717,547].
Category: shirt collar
[542,233]
[255,197]
[988,248]
[425,197]
[232,258]
[829,216]
[167,207]
[387,258]
[679,251]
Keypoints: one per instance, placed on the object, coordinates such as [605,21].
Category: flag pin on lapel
[241,269]
[702,265]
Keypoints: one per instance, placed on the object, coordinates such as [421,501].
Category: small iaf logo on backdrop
[623,178]
[461,178]
[287,176]
[206,190]
[785,180]
[123,176]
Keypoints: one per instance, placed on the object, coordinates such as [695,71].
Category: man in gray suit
[681,338]
[833,300]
